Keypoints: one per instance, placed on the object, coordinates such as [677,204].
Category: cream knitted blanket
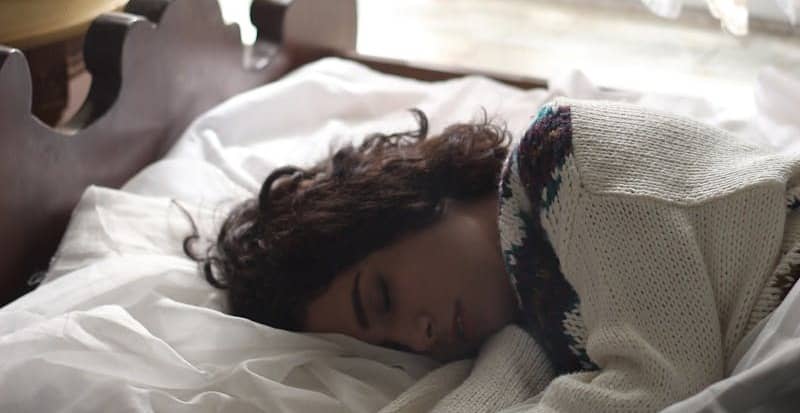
[643,247]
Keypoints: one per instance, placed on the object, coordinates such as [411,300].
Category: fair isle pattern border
[548,301]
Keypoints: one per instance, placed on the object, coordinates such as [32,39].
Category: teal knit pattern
[547,300]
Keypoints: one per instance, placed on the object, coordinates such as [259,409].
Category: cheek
[331,311]
[324,315]
[487,287]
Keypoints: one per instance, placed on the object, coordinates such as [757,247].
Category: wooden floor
[623,48]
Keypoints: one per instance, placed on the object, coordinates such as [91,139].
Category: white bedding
[123,321]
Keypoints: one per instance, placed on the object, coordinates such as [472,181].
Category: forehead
[421,246]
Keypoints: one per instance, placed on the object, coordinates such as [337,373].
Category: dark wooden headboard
[154,68]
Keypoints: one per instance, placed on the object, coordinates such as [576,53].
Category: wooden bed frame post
[329,24]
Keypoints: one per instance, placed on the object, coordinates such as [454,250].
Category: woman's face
[440,291]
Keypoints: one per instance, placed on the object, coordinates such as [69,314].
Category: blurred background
[617,43]
[709,48]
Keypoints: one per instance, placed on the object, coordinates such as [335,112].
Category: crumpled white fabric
[777,98]
[733,14]
[125,323]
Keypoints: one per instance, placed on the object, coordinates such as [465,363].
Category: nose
[424,334]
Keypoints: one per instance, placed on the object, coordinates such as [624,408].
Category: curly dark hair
[276,253]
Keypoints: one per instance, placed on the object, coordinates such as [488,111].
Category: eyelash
[387,303]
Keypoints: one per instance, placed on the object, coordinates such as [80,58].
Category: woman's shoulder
[615,148]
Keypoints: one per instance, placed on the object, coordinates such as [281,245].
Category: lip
[459,329]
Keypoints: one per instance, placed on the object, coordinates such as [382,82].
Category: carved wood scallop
[154,68]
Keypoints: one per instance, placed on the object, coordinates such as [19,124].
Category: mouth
[458,321]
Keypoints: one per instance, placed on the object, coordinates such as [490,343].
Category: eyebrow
[358,307]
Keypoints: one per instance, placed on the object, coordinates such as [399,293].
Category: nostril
[429,330]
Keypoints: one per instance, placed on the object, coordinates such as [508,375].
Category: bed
[181,114]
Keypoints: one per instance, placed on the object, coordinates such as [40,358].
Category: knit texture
[426,392]
[509,369]
[642,247]
[553,315]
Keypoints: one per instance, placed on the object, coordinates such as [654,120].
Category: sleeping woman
[614,257]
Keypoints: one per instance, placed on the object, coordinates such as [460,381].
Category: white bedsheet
[123,321]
